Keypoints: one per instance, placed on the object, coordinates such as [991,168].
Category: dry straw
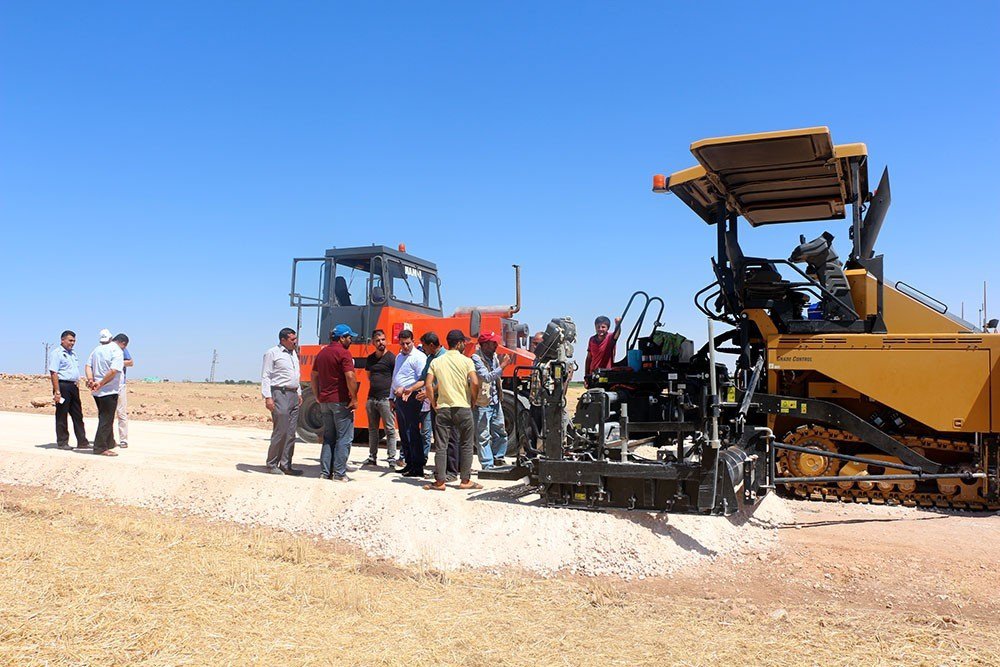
[88,583]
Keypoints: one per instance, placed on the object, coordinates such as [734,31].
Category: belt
[285,389]
[70,381]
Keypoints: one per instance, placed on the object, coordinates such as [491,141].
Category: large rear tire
[310,426]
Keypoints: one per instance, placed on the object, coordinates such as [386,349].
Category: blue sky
[160,164]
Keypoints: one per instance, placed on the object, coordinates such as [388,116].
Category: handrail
[944,306]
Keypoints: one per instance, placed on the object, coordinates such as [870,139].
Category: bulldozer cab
[353,285]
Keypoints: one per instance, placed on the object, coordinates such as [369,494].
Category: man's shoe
[85,445]
[413,473]
[325,475]
[274,471]
[498,462]
[341,478]
[123,444]
[294,472]
[62,445]
[370,461]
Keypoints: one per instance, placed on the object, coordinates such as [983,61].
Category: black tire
[310,426]
[526,428]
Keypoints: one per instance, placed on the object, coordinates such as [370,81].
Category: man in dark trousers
[104,375]
[279,385]
[433,349]
[406,373]
[64,370]
[336,388]
[379,366]
[452,383]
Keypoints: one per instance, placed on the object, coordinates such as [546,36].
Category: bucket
[634,359]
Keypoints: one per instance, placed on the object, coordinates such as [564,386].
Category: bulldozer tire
[526,428]
[310,426]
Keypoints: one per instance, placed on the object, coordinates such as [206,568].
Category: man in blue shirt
[64,370]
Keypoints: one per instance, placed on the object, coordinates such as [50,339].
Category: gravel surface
[196,469]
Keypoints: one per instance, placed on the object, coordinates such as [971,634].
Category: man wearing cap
[64,371]
[104,373]
[279,385]
[488,410]
[452,383]
[336,388]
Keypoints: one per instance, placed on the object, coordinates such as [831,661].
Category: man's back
[451,373]
[104,358]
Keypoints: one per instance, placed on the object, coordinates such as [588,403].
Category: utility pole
[45,366]
[215,360]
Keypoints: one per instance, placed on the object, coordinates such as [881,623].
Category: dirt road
[815,576]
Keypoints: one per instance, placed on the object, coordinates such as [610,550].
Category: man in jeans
[104,373]
[488,411]
[336,389]
[406,373]
[64,371]
[451,385]
[280,387]
[379,366]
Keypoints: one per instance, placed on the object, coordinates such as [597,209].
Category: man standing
[64,370]
[279,385]
[104,374]
[433,349]
[406,373]
[122,411]
[336,388]
[379,366]
[451,385]
[601,347]
[488,410]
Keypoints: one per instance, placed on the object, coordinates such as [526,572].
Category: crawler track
[951,494]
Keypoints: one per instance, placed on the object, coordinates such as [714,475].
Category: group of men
[424,397]
[105,372]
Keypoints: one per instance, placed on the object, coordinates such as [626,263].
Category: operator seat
[824,265]
[757,277]
[340,291]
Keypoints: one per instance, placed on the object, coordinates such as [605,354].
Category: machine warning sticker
[789,406]
[731,395]
[803,410]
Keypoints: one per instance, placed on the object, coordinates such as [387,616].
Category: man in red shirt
[601,347]
[336,390]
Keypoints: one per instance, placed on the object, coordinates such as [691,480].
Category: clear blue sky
[161,163]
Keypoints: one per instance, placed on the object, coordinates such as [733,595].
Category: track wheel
[853,469]
[810,465]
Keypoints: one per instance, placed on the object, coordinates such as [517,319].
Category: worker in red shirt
[601,347]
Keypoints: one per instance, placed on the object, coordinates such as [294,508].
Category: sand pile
[398,521]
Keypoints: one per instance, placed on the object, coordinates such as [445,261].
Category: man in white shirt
[104,374]
[279,385]
[406,373]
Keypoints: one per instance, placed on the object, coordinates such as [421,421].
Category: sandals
[435,487]
[107,452]
[470,486]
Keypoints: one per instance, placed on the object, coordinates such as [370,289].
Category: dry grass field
[88,583]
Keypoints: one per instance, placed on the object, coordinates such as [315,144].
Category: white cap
[105,336]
